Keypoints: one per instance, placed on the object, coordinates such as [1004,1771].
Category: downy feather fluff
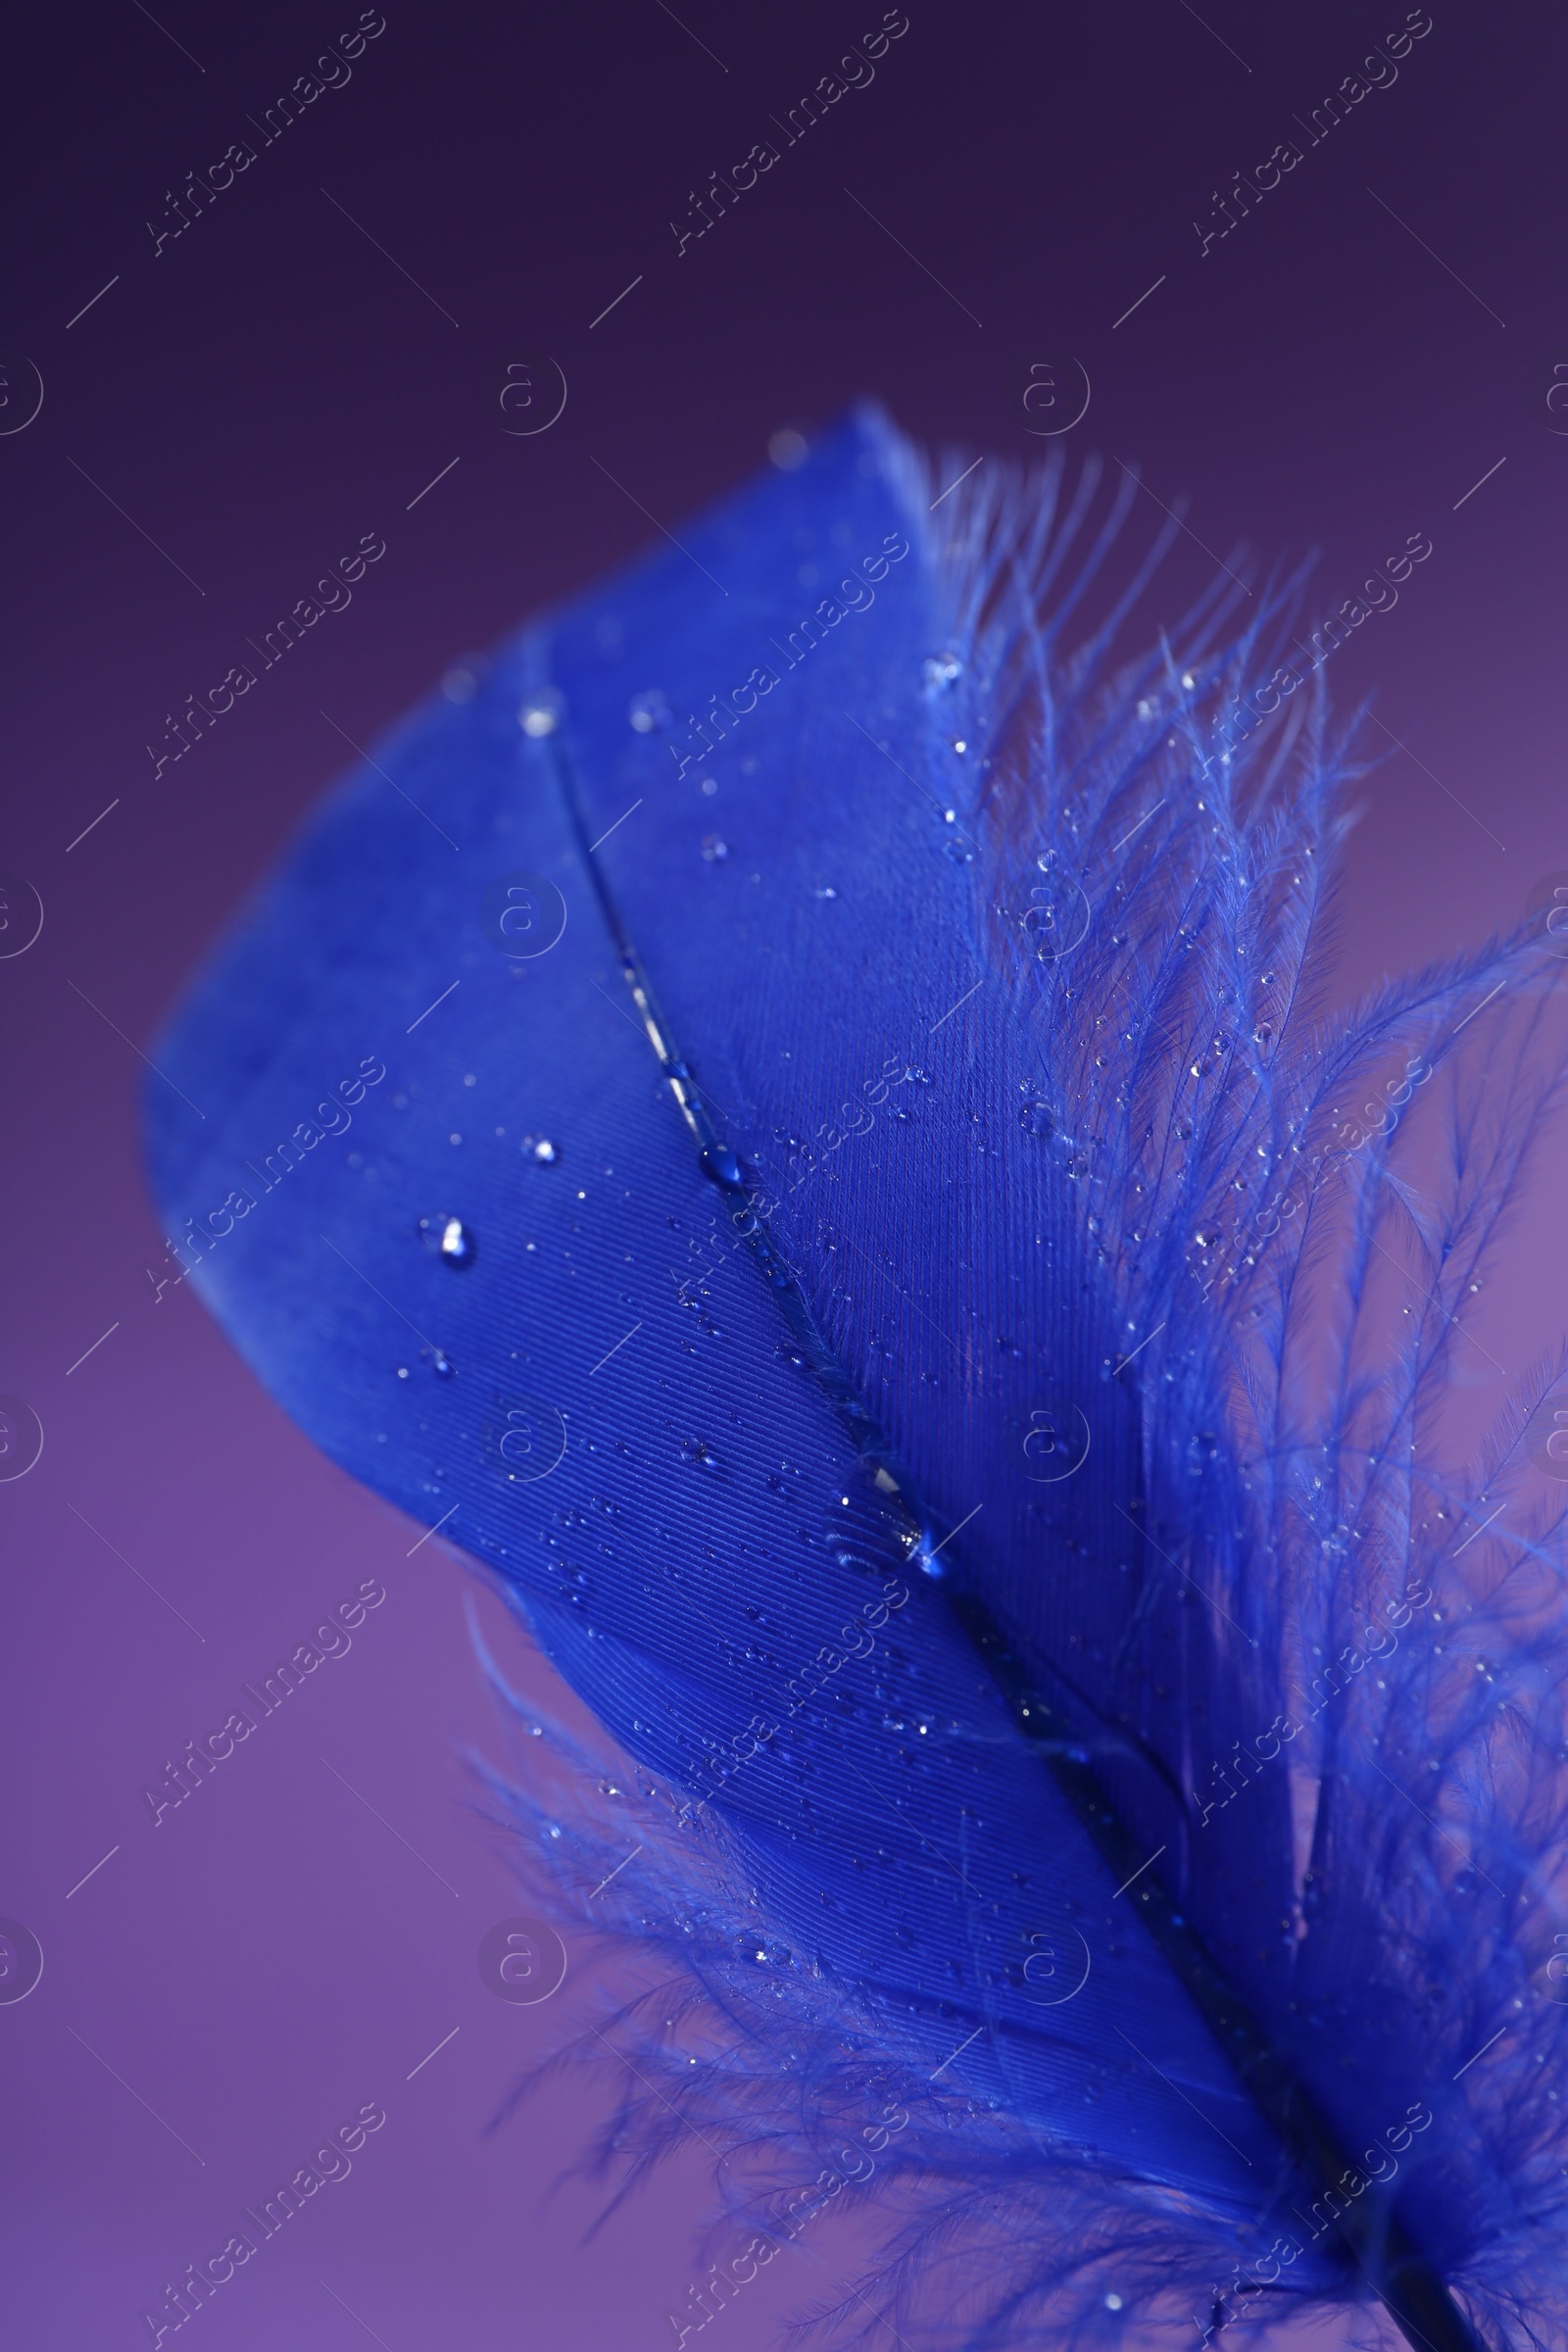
[904,1293]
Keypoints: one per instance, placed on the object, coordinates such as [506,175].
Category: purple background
[257,395]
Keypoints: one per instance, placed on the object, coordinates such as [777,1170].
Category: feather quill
[923,1329]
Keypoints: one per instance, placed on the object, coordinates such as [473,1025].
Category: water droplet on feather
[452,1239]
[540,712]
[650,712]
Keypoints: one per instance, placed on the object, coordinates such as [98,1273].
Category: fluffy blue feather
[898,1297]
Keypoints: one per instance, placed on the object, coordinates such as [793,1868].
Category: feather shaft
[1367,2227]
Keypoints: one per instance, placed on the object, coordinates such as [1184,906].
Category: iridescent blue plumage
[921,1363]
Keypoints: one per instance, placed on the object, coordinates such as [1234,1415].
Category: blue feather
[859,1221]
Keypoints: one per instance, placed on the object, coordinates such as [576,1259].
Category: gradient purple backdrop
[231,413]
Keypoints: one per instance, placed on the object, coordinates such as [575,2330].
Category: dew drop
[699,1451]
[539,1147]
[941,669]
[721,1163]
[442,1365]
[539,714]
[714,847]
[449,1238]
[458,1245]
[650,713]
